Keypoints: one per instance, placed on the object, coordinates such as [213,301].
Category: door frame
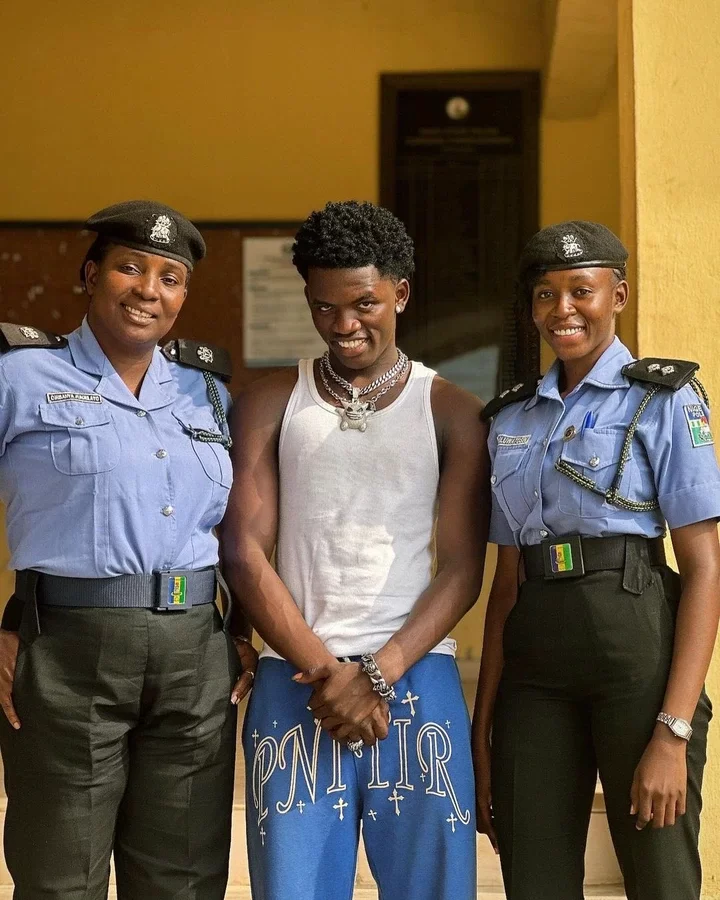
[526,340]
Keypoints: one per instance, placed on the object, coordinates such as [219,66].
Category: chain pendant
[354,413]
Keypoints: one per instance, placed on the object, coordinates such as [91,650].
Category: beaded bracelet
[379,685]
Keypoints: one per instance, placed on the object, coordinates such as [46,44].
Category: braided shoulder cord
[213,437]
[699,389]
[612,495]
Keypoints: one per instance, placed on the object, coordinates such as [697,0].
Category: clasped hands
[344,702]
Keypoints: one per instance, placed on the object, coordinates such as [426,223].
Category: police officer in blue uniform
[116,670]
[595,651]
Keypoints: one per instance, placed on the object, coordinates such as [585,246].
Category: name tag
[69,395]
[513,440]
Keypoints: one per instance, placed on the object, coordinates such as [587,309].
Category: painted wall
[253,110]
[580,166]
[677,174]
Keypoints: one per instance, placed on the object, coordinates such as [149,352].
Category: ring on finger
[356,747]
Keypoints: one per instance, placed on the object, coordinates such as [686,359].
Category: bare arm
[249,530]
[503,596]
[660,784]
[698,556]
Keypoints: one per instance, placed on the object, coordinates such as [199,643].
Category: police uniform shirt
[98,482]
[671,458]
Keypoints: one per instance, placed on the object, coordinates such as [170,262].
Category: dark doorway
[459,165]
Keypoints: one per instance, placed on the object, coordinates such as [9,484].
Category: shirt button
[79,421]
[161,454]
[536,494]
[141,413]
[545,442]
[594,461]
[543,533]
[167,510]
[493,479]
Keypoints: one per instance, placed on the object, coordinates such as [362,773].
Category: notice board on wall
[40,286]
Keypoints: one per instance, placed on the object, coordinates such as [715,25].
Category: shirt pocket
[595,455]
[507,484]
[83,437]
[213,457]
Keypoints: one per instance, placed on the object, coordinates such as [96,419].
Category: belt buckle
[172,592]
[563,557]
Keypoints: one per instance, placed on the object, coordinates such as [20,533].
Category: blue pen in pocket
[588,421]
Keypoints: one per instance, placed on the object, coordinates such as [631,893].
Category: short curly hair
[351,235]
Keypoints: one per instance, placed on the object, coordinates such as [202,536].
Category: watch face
[682,728]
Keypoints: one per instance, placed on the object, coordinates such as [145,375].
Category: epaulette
[522,391]
[207,357]
[668,373]
[13,336]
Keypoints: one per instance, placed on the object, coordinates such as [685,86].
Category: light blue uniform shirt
[533,501]
[107,483]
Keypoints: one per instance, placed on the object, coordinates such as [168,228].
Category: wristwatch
[679,727]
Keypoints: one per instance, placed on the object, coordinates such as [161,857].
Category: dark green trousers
[127,746]
[586,666]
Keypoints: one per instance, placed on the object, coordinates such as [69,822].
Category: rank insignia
[700,433]
[176,590]
[561,559]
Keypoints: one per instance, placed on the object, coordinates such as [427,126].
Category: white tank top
[357,514]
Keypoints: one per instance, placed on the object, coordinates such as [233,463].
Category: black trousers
[127,746]
[586,667]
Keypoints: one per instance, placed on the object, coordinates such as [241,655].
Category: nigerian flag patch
[700,432]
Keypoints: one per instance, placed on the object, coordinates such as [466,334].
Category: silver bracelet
[379,685]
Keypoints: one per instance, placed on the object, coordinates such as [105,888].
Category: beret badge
[163,230]
[569,248]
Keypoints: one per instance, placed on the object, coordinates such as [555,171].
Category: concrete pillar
[669,69]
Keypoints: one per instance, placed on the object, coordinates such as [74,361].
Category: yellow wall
[245,110]
[580,166]
[254,110]
[677,174]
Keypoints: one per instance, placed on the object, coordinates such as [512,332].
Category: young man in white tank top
[368,475]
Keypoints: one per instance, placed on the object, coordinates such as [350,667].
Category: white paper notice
[278,328]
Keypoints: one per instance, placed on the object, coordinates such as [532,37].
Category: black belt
[174,590]
[571,556]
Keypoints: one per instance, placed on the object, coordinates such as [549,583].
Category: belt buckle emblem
[177,590]
[563,558]
[172,593]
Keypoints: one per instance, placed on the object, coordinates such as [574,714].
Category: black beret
[572,245]
[152,227]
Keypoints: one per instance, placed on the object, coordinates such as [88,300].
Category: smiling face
[354,312]
[135,298]
[574,310]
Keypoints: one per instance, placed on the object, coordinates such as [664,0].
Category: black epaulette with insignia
[13,336]
[522,391]
[668,373]
[206,357]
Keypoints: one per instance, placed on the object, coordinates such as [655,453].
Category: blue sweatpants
[307,795]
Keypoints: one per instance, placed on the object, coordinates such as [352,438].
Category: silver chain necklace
[354,412]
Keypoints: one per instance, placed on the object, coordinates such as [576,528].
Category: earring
[398,308]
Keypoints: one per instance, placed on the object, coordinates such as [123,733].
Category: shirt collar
[89,356]
[606,373]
